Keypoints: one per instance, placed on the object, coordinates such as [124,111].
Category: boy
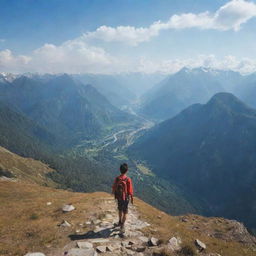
[123,191]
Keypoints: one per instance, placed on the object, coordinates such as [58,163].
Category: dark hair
[123,168]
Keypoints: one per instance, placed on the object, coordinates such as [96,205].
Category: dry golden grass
[26,169]
[28,224]
[164,227]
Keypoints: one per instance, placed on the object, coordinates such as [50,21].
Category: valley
[117,140]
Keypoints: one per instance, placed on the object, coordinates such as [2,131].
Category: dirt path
[106,239]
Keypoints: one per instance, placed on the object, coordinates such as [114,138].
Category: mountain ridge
[207,149]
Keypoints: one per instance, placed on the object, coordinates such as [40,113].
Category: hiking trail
[106,239]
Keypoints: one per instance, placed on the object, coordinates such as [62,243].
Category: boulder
[65,224]
[200,245]
[68,208]
[125,243]
[110,248]
[96,222]
[153,241]
[82,252]
[35,254]
[174,244]
[84,245]
[140,249]
[143,239]
[101,248]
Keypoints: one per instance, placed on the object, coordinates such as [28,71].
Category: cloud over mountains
[228,17]
[81,55]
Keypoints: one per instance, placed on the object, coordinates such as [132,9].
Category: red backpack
[121,191]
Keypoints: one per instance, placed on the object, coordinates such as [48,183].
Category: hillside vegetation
[208,150]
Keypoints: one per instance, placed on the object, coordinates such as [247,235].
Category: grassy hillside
[31,215]
[25,169]
[28,224]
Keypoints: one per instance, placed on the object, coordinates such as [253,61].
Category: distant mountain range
[110,87]
[208,150]
[65,107]
[190,86]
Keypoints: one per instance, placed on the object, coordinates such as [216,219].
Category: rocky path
[104,238]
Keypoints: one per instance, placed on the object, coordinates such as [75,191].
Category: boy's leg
[124,218]
[125,211]
[120,217]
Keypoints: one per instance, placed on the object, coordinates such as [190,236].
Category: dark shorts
[123,205]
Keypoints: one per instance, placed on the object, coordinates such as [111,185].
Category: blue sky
[107,36]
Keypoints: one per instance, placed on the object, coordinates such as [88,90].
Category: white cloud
[9,62]
[2,40]
[228,17]
[233,14]
[77,57]
[73,56]
[244,65]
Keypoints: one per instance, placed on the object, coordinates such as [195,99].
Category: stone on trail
[143,239]
[174,244]
[110,248]
[84,245]
[200,245]
[68,208]
[49,203]
[82,252]
[35,254]
[153,241]
[125,243]
[96,222]
[101,248]
[65,224]
[140,249]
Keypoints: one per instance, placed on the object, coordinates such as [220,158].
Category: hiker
[123,191]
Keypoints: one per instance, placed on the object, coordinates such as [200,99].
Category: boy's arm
[131,198]
[130,190]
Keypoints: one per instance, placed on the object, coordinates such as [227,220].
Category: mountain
[33,220]
[110,87]
[208,150]
[67,108]
[7,77]
[186,87]
[20,134]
